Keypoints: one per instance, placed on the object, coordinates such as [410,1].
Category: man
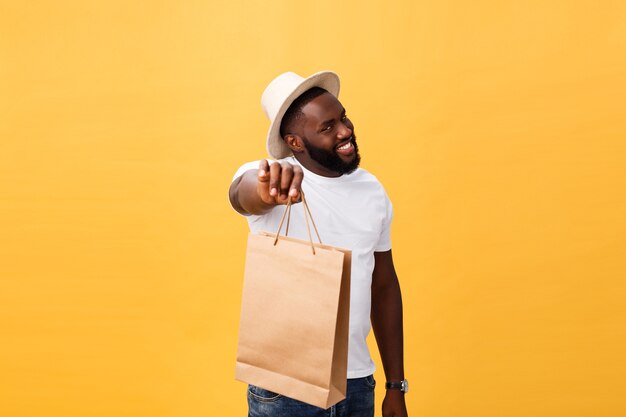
[315,148]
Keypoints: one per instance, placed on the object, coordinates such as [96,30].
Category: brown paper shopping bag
[293,333]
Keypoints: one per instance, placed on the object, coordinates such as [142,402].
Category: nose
[344,131]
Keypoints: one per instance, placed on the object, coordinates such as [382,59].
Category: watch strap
[399,385]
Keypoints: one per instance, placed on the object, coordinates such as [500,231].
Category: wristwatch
[401,385]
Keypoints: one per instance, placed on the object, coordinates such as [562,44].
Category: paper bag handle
[307,215]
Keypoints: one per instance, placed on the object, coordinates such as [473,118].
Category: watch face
[405,386]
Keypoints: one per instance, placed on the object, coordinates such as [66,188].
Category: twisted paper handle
[307,215]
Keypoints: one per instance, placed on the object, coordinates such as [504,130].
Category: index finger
[264,168]
[296,182]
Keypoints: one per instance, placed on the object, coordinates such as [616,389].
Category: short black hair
[294,112]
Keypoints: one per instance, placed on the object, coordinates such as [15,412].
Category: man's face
[328,135]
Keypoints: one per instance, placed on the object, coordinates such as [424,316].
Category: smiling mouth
[345,145]
[346,148]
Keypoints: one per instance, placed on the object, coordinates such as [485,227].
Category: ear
[294,142]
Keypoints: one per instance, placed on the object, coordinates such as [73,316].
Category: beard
[331,160]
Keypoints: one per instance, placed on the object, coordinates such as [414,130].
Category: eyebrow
[326,122]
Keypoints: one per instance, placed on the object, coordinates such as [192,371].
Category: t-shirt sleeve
[246,167]
[384,241]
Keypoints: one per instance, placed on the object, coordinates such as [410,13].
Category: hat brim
[328,80]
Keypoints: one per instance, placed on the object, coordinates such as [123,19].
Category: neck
[315,167]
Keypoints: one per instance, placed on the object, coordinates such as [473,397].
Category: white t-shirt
[353,212]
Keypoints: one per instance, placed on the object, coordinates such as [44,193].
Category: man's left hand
[394,404]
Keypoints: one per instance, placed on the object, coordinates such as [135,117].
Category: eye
[327,128]
[344,117]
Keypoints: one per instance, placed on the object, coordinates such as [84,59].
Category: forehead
[322,108]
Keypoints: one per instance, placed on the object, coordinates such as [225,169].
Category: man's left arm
[386,319]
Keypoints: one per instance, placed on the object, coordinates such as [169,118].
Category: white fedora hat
[279,95]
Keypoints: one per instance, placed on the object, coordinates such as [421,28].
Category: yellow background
[498,129]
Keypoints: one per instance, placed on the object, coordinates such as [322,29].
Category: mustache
[351,139]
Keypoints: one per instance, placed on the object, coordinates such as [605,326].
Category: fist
[279,182]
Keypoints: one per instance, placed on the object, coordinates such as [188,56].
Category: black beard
[333,162]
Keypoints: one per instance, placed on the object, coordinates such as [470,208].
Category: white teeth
[346,146]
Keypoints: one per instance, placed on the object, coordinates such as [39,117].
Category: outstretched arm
[258,190]
[386,319]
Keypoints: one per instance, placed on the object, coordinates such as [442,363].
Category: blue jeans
[359,402]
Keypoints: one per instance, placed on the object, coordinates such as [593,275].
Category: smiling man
[315,150]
